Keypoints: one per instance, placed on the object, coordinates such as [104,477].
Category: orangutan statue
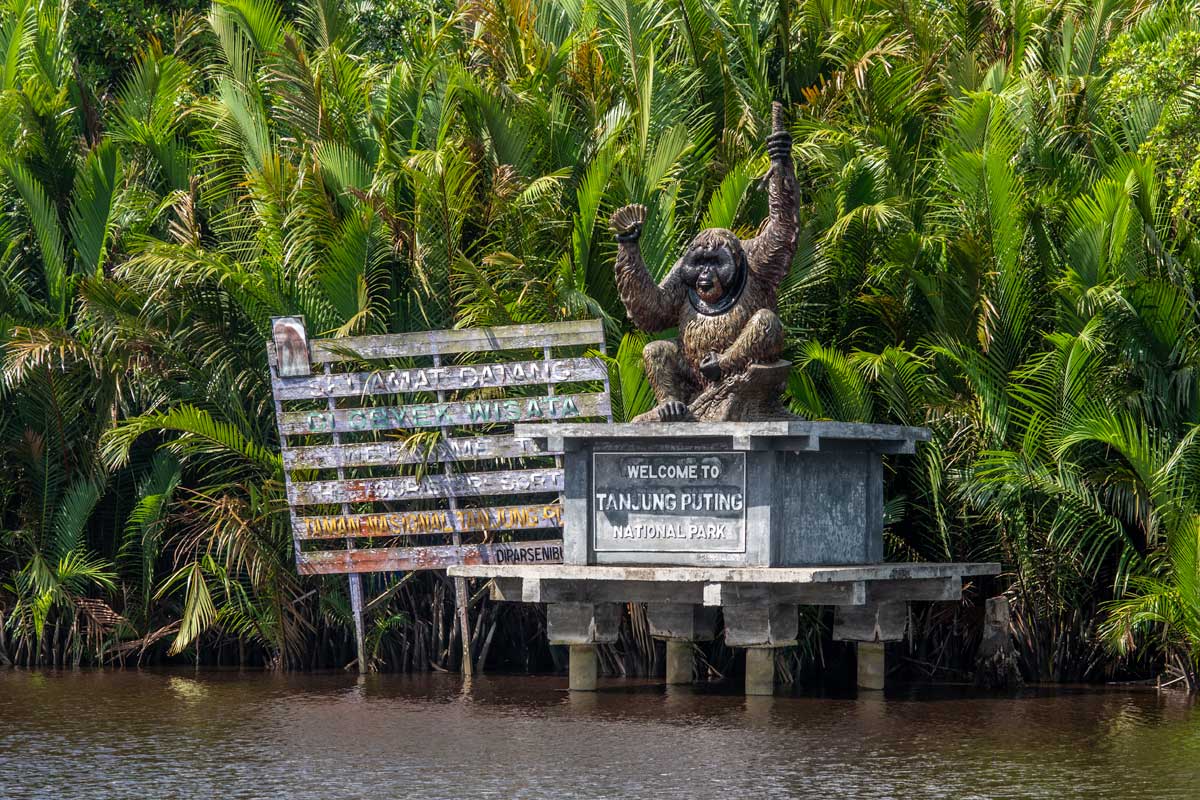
[721,294]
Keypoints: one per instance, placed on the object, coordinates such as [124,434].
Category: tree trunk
[996,664]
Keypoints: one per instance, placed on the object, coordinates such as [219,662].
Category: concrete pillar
[679,662]
[760,670]
[582,668]
[872,669]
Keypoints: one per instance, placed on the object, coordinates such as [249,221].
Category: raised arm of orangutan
[721,295]
[652,307]
[770,253]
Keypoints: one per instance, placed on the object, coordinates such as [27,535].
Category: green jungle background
[999,208]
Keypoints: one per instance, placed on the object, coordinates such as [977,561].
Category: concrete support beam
[844,593]
[918,589]
[675,621]
[761,625]
[760,670]
[710,574]
[872,666]
[582,623]
[874,622]
[680,661]
[582,668]
[543,590]
[847,593]
[506,590]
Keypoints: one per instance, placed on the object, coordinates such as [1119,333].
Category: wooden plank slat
[408,487]
[404,559]
[435,521]
[433,415]
[450,377]
[374,454]
[449,342]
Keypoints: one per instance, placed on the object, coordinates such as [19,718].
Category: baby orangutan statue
[722,296]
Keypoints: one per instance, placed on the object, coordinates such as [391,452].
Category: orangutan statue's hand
[779,143]
[627,221]
[673,411]
[710,366]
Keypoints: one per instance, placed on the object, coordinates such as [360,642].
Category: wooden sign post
[372,442]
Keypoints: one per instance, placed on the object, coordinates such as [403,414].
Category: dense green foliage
[106,35]
[999,203]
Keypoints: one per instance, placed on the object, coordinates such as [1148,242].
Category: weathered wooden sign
[389,442]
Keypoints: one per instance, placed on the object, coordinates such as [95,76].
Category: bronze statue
[722,296]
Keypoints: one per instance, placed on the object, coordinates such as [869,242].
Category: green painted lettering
[420,415]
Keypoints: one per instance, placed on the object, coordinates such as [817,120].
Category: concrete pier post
[872,668]
[582,668]
[679,662]
[760,670]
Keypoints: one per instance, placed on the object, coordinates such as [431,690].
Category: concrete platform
[759,605]
[859,585]
[867,584]
[737,522]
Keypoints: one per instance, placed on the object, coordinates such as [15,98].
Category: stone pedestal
[680,662]
[760,670]
[753,519]
[739,494]
[583,668]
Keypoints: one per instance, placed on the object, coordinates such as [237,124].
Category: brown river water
[242,735]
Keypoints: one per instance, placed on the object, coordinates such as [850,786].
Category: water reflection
[155,734]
